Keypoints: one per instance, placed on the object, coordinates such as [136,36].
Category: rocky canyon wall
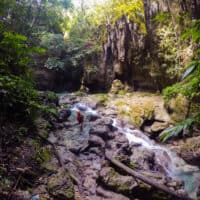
[144,61]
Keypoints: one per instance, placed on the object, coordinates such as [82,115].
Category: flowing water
[174,166]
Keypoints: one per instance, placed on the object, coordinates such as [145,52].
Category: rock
[64,115]
[147,129]
[143,159]
[109,195]
[159,126]
[101,131]
[60,186]
[21,195]
[117,86]
[116,181]
[96,141]
[160,113]
[47,79]
[178,107]
[39,190]
[189,150]
[92,117]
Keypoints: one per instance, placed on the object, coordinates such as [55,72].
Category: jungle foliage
[189,85]
[22,25]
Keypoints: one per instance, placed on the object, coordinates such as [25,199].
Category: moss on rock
[178,107]
[60,186]
[116,181]
[137,112]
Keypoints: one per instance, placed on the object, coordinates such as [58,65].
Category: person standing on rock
[80,119]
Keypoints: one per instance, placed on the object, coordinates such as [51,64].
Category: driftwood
[146,180]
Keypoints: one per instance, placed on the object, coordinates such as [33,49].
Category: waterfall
[174,166]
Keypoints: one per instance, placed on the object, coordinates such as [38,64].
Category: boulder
[96,141]
[117,182]
[64,115]
[143,159]
[178,107]
[158,126]
[189,150]
[101,131]
[60,186]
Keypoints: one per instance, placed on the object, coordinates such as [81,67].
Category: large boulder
[189,150]
[178,107]
[60,186]
[116,181]
[64,114]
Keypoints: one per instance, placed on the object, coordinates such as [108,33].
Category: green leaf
[189,71]
[170,132]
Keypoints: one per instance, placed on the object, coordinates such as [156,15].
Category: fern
[176,130]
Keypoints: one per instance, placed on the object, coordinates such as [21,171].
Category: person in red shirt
[80,119]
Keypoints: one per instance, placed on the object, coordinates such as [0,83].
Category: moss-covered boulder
[117,182]
[178,107]
[137,112]
[60,186]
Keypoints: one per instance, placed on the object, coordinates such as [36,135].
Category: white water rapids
[174,166]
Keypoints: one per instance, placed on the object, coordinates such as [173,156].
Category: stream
[83,152]
[174,166]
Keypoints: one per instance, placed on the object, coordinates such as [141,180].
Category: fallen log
[144,179]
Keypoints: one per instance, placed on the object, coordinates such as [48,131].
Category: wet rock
[64,115]
[189,150]
[96,141]
[117,182]
[144,159]
[104,121]
[101,131]
[68,99]
[92,117]
[60,186]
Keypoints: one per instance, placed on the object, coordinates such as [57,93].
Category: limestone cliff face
[137,59]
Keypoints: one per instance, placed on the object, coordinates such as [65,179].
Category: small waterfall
[174,166]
